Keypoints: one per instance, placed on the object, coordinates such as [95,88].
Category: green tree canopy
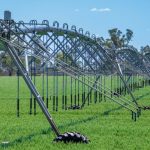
[118,39]
[1,46]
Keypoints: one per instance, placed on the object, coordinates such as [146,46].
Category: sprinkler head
[72,137]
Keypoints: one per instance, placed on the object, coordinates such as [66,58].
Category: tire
[71,137]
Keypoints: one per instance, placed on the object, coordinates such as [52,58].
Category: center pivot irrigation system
[84,63]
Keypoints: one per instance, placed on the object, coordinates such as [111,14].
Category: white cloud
[105,10]
[93,9]
[76,10]
[100,9]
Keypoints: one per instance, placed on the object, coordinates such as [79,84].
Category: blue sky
[96,16]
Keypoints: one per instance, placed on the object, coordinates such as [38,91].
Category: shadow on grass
[118,108]
[44,131]
[143,96]
[48,131]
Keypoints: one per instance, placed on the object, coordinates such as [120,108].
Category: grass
[107,125]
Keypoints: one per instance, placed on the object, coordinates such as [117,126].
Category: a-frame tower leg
[12,52]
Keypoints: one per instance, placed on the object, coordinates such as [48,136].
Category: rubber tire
[71,137]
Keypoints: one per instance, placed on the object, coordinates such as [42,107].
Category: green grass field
[106,124]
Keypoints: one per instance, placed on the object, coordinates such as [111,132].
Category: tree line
[117,39]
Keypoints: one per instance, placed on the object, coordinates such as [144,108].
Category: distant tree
[101,40]
[145,50]
[65,58]
[60,56]
[129,36]
[7,63]
[1,46]
[118,39]
[115,37]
